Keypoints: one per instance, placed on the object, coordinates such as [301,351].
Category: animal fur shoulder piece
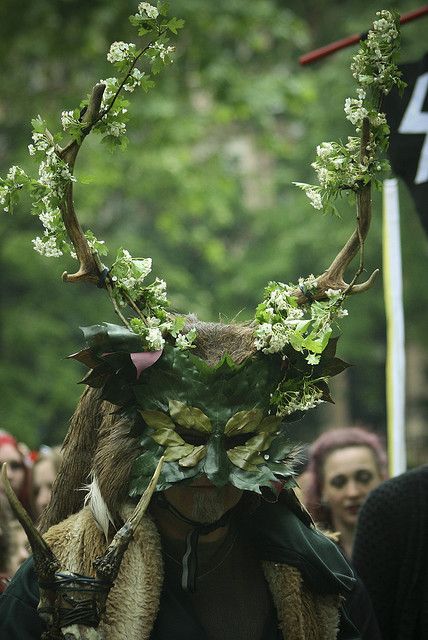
[133,602]
[302,615]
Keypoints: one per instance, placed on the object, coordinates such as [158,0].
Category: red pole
[322,52]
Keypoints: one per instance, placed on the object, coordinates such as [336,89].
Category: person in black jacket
[391,554]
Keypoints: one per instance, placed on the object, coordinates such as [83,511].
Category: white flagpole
[395,357]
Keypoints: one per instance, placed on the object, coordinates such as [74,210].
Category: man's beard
[208,505]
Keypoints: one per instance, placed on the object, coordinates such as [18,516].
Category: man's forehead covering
[219,389]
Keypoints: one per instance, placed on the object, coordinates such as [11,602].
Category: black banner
[407,117]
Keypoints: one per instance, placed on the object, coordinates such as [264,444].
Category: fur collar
[133,602]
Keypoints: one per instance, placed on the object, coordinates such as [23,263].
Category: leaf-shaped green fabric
[168,438]
[243,422]
[107,337]
[216,464]
[86,356]
[263,476]
[193,458]
[189,417]
[270,424]
[145,464]
[260,442]
[158,420]
[245,458]
[280,448]
[219,392]
[177,452]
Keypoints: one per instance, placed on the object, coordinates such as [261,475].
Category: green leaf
[175,24]
[158,420]
[243,422]
[193,458]
[168,438]
[173,453]
[244,458]
[189,417]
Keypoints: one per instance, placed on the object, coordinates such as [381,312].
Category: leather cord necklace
[189,563]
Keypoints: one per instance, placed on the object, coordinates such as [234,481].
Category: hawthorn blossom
[147,9]
[121,51]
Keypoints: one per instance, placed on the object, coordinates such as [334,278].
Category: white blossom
[159,290]
[333,293]
[41,143]
[47,247]
[134,80]
[314,198]
[185,341]
[154,339]
[152,321]
[49,219]
[68,120]
[310,282]
[160,50]
[313,358]
[112,85]
[116,129]
[324,149]
[147,9]
[121,51]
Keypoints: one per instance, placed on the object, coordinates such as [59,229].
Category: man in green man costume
[225,551]
[189,528]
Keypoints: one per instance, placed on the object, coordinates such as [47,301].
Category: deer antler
[90,267]
[333,277]
[71,604]
[107,565]
[45,562]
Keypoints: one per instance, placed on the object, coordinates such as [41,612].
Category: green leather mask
[216,421]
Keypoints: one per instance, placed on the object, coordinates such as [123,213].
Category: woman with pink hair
[344,465]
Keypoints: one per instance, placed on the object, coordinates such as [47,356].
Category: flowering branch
[354,166]
[297,320]
[104,112]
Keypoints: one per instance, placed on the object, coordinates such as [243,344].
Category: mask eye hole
[238,441]
[192,437]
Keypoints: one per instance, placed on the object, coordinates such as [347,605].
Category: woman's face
[15,466]
[349,475]
[43,478]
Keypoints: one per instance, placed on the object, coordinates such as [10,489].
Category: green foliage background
[204,187]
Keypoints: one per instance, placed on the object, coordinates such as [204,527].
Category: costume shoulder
[18,606]
[281,536]
[77,541]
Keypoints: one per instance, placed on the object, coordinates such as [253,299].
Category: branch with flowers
[103,112]
[298,320]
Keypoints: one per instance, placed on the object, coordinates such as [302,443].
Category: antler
[333,277]
[90,266]
[72,605]
[45,562]
[107,565]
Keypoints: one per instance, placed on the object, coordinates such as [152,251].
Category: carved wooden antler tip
[45,562]
[79,276]
[363,286]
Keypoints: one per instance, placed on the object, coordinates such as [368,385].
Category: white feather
[98,507]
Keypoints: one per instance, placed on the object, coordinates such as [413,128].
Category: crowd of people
[31,475]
